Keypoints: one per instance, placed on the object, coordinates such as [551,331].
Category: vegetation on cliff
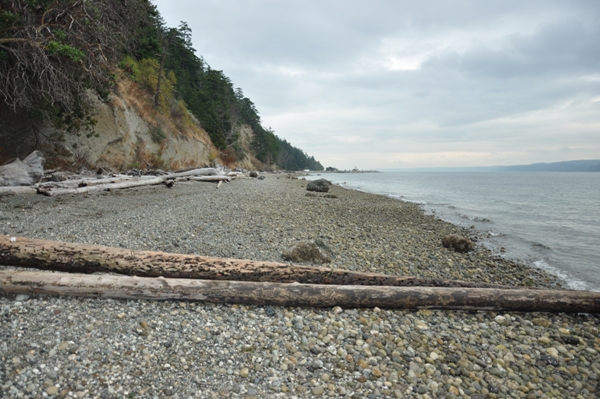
[52,52]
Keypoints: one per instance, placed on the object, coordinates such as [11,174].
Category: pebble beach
[68,347]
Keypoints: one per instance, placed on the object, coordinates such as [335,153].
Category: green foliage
[148,70]
[60,35]
[210,95]
[130,66]
[157,135]
[292,158]
[45,73]
[65,50]
[150,29]
[266,145]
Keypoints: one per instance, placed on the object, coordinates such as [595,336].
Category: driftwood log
[262,293]
[86,181]
[101,187]
[17,190]
[84,258]
[81,186]
[210,178]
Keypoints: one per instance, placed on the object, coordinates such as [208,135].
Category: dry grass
[174,121]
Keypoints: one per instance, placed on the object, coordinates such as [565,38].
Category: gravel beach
[53,347]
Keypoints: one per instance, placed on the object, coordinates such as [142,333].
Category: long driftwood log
[210,178]
[207,173]
[17,190]
[85,258]
[101,187]
[280,294]
[89,181]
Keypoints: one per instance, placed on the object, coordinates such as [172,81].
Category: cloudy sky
[401,84]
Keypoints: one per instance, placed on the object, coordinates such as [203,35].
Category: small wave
[414,202]
[495,234]
[571,282]
[475,218]
[540,245]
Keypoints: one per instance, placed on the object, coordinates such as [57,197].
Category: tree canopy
[53,51]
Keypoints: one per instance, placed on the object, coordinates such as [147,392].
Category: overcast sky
[396,84]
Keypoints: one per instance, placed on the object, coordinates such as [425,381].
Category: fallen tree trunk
[261,293]
[193,172]
[201,174]
[210,178]
[84,258]
[17,190]
[102,187]
[89,181]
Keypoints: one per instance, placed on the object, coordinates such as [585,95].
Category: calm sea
[547,219]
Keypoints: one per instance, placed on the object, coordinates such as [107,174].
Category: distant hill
[589,165]
[592,165]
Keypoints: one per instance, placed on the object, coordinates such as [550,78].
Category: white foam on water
[475,218]
[572,283]
[494,234]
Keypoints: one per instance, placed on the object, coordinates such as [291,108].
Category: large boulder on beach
[306,251]
[320,185]
[23,173]
[457,243]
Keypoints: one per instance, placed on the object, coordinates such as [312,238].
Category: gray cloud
[401,83]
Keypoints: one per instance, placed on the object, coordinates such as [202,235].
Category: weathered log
[23,173]
[210,178]
[206,173]
[88,181]
[314,295]
[84,258]
[102,187]
[17,190]
[193,172]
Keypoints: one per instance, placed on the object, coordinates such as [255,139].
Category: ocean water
[550,220]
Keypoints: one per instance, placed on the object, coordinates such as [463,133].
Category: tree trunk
[128,183]
[260,293]
[210,178]
[102,187]
[86,181]
[17,190]
[159,78]
[84,258]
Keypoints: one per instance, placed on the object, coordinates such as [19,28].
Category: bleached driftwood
[281,294]
[86,258]
[17,190]
[211,178]
[90,181]
[23,173]
[102,187]
[193,172]
[207,174]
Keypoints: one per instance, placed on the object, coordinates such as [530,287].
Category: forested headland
[59,58]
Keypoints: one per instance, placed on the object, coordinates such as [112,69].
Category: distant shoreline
[349,171]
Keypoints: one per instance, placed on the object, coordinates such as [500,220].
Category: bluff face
[127,133]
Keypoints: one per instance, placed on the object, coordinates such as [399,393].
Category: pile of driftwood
[26,177]
[159,275]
